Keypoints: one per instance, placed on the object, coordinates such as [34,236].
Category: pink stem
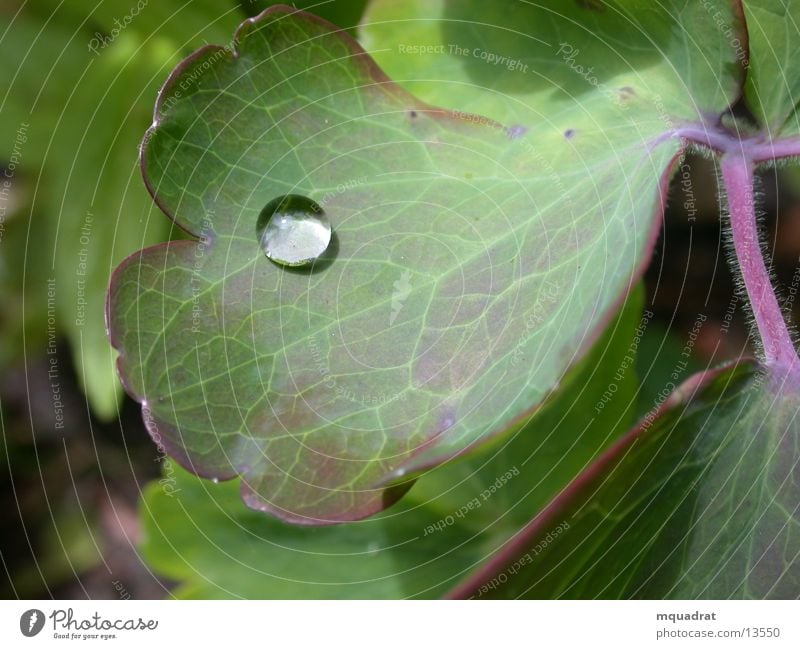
[766,151]
[722,141]
[737,175]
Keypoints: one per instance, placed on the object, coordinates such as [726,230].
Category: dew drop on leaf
[293,230]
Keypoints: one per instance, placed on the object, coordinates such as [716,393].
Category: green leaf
[772,89]
[81,79]
[186,24]
[201,535]
[664,360]
[344,13]
[699,501]
[101,218]
[39,82]
[568,63]
[47,48]
[513,246]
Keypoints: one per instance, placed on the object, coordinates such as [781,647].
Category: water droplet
[215,480]
[293,230]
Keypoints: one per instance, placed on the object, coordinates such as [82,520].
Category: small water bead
[293,230]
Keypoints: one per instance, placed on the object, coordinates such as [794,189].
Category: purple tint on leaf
[516,131]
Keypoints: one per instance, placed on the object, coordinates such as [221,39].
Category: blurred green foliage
[81,79]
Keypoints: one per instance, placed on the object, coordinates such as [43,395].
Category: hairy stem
[779,352]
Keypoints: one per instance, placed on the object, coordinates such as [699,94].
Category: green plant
[480,248]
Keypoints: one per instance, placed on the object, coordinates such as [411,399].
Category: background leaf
[566,63]
[100,220]
[185,24]
[772,89]
[81,80]
[699,501]
[342,13]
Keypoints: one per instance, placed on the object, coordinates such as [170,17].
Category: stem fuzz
[779,352]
